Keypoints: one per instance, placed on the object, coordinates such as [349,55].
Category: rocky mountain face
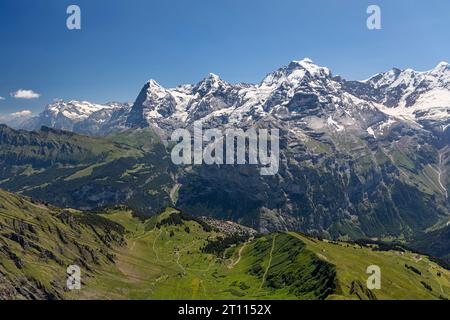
[358,158]
[435,243]
[365,158]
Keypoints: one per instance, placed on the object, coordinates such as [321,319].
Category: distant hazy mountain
[81,117]
[17,119]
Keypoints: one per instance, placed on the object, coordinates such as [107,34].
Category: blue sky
[123,43]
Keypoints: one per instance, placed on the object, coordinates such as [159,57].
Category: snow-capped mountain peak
[442,66]
[294,73]
[213,77]
[211,83]
[308,65]
[418,96]
[442,73]
[412,78]
[155,89]
[74,110]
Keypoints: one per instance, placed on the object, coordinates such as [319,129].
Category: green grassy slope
[167,261]
[174,256]
[38,243]
[75,171]
[49,146]
[398,281]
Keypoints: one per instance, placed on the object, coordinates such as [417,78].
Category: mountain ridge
[213,96]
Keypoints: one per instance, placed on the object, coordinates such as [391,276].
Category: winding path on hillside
[234,263]
[440,175]
[269,264]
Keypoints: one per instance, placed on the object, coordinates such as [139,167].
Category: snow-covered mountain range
[423,97]
[301,93]
[82,117]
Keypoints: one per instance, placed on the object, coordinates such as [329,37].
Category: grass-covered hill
[38,243]
[175,256]
[76,171]
[405,275]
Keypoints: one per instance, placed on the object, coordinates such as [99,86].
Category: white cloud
[23,113]
[15,119]
[25,94]
[1,98]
